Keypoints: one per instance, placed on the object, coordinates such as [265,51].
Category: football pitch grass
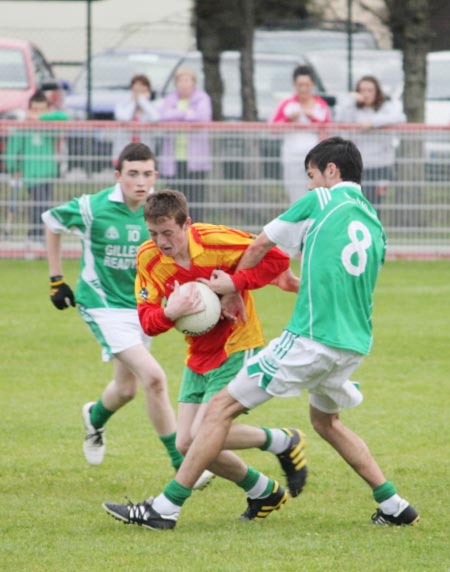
[51,515]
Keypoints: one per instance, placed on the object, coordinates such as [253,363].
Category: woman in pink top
[302,108]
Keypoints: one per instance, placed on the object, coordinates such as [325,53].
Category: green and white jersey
[342,243]
[111,234]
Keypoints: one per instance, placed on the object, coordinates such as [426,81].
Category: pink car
[23,70]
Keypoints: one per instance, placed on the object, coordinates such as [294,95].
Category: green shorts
[199,388]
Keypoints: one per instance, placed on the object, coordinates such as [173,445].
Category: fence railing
[238,174]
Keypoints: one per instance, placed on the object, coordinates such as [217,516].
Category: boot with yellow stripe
[262,507]
[293,462]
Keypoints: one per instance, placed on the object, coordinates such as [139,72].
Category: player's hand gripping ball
[204,321]
[61,294]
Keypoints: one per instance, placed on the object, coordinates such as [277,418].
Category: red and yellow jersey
[210,247]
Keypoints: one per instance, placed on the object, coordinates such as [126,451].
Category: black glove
[61,293]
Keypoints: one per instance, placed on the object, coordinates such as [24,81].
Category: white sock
[280,441]
[259,487]
[392,504]
[165,507]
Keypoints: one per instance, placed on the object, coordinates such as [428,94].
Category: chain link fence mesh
[243,179]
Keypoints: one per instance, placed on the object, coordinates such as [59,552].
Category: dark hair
[304,70]
[342,152]
[380,98]
[135,152]
[141,78]
[38,97]
[166,204]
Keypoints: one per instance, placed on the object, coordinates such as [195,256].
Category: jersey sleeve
[68,217]
[226,247]
[272,265]
[288,230]
[149,294]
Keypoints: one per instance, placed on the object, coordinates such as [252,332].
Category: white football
[201,322]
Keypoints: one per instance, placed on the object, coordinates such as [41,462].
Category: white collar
[346,184]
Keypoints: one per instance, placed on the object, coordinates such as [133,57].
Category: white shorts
[292,363]
[115,329]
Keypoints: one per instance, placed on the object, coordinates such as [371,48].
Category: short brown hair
[135,152]
[165,204]
[141,78]
[38,97]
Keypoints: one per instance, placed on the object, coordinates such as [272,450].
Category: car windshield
[13,71]
[294,43]
[438,81]
[114,71]
[386,66]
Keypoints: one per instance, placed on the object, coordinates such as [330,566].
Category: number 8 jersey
[342,245]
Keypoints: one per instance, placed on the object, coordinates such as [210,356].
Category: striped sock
[256,484]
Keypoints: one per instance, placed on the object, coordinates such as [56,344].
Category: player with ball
[178,254]
[342,244]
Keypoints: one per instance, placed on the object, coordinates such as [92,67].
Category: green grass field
[51,516]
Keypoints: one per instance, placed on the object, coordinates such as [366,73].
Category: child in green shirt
[31,157]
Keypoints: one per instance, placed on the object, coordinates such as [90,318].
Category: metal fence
[238,174]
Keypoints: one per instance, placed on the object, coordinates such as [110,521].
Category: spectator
[303,108]
[368,107]
[31,159]
[186,155]
[138,106]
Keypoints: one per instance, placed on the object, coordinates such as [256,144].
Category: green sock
[99,414]
[384,491]
[176,458]
[256,484]
[268,442]
[249,481]
[177,493]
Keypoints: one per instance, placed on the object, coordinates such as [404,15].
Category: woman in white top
[137,106]
[304,107]
[368,107]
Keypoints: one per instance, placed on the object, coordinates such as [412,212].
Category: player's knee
[127,391]
[155,384]
[323,423]
[182,443]
[217,408]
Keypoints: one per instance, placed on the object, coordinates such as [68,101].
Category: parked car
[272,80]
[297,37]
[437,112]
[23,70]
[111,72]
[437,104]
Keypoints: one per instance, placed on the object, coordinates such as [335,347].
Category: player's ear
[116,174]
[332,169]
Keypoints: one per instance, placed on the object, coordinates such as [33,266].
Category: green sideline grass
[51,515]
